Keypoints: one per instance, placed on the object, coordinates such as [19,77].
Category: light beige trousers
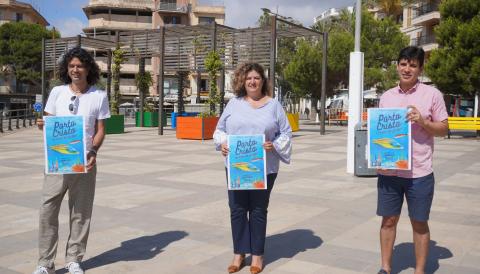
[81,191]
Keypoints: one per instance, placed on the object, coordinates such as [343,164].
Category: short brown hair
[241,72]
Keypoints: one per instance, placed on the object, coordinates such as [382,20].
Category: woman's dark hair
[412,53]
[241,72]
[86,59]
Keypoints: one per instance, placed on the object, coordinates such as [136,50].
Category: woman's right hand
[225,149]
[40,123]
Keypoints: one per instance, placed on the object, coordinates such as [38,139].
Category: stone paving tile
[161,207]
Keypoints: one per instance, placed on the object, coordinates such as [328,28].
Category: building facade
[15,95]
[105,17]
[419,22]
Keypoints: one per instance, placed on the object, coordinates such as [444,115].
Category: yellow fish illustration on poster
[64,149]
[387,143]
[245,167]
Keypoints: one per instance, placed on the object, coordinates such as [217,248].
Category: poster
[246,163]
[64,143]
[389,139]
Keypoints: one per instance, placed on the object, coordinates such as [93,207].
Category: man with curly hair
[78,96]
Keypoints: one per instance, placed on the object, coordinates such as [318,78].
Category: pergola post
[180,103]
[324,83]
[79,41]
[199,83]
[160,79]
[214,48]
[141,91]
[273,52]
[44,84]
[109,75]
[222,90]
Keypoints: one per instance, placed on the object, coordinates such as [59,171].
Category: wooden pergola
[182,49]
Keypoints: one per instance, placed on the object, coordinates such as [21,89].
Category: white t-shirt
[93,105]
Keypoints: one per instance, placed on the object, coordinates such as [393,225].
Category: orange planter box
[196,128]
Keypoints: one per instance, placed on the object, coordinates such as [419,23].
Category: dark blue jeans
[248,215]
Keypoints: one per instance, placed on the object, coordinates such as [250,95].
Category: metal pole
[358,24]
[324,83]
[160,80]
[273,47]
[79,41]
[355,93]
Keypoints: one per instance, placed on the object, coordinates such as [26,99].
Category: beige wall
[123,3]
[119,21]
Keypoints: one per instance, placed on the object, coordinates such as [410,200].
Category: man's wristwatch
[93,151]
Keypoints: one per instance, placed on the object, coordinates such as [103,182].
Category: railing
[14,119]
[217,3]
[169,6]
[424,9]
[423,40]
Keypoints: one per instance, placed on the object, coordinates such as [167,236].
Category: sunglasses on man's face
[71,107]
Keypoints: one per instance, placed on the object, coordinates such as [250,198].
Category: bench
[338,117]
[463,123]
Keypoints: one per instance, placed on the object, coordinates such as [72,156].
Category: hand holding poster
[64,143]
[389,139]
[246,162]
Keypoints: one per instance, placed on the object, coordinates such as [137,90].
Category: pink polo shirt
[429,101]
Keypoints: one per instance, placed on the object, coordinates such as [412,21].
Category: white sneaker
[74,268]
[43,270]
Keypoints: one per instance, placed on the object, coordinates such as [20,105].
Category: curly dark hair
[238,82]
[86,59]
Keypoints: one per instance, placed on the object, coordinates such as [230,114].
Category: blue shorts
[418,191]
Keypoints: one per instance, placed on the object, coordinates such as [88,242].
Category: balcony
[427,42]
[172,7]
[426,14]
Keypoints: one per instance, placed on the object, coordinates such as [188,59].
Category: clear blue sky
[68,17]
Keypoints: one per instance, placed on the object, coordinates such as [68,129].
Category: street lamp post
[355,91]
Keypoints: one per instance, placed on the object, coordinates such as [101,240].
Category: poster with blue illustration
[389,139]
[246,163]
[64,143]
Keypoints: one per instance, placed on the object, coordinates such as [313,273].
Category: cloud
[70,26]
[241,14]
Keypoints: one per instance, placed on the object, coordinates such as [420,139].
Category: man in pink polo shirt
[429,116]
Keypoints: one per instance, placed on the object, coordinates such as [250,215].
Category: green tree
[118,58]
[21,49]
[455,66]
[304,72]
[213,64]
[381,40]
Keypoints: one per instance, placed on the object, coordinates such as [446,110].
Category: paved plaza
[161,207]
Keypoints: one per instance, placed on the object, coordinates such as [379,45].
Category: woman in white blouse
[253,111]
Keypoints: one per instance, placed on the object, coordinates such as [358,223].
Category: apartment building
[331,13]
[15,95]
[419,21]
[105,17]
[187,13]
[16,11]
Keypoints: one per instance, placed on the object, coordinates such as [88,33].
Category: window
[171,20]
[19,17]
[205,20]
